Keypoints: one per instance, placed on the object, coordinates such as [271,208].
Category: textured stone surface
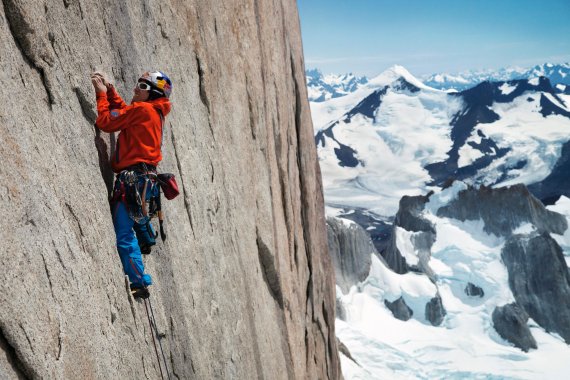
[351,250]
[539,279]
[399,309]
[243,285]
[517,205]
[510,322]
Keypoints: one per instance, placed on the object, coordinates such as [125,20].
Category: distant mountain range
[396,136]
[556,74]
[324,87]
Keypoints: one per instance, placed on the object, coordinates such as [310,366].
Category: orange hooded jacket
[140,127]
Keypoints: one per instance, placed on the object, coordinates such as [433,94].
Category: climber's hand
[104,78]
[104,81]
[98,83]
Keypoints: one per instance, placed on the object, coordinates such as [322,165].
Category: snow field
[466,344]
[393,150]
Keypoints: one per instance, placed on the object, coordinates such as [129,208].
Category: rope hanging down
[154,331]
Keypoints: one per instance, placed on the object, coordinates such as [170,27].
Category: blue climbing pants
[127,243]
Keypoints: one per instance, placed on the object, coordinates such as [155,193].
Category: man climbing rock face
[136,195]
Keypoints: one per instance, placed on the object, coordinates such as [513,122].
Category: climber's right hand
[98,83]
[103,78]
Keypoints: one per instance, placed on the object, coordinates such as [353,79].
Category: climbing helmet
[159,82]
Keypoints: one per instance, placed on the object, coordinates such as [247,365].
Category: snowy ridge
[466,345]
[557,74]
[324,87]
[396,137]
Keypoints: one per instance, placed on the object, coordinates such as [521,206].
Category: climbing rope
[159,340]
[154,331]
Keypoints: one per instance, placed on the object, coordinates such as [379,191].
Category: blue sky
[427,36]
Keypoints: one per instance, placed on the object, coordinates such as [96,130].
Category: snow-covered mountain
[396,136]
[556,73]
[324,87]
[470,278]
[465,291]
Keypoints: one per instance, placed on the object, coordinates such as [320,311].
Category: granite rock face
[539,279]
[510,321]
[244,286]
[351,249]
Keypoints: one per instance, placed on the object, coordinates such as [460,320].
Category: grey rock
[539,280]
[409,218]
[399,309]
[510,321]
[340,310]
[351,250]
[345,351]
[473,290]
[378,227]
[244,285]
[435,312]
[516,204]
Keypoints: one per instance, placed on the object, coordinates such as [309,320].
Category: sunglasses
[143,86]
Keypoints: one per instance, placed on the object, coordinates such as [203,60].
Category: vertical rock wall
[243,285]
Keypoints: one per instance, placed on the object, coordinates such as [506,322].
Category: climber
[136,195]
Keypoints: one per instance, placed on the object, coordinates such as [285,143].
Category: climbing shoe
[140,292]
[145,248]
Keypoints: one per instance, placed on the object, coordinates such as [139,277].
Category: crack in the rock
[178,164]
[86,107]
[202,84]
[48,276]
[21,31]
[102,149]
[252,124]
[81,235]
[269,271]
[76,218]
[20,368]
[305,222]
[27,336]
[59,344]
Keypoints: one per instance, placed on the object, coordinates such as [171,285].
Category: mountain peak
[395,73]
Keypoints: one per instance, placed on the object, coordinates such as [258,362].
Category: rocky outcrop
[345,351]
[379,228]
[517,205]
[410,219]
[510,321]
[244,286]
[351,251]
[435,312]
[340,310]
[539,280]
[473,290]
[399,309]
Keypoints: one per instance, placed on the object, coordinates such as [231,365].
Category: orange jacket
[140,127]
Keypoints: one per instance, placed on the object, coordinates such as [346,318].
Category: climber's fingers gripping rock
[98,84]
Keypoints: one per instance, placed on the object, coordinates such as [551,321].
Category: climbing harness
[132,187]
[154,332]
